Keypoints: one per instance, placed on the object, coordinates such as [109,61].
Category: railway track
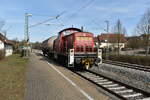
[128,65]
[120,90]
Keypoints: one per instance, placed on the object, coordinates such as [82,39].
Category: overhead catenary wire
[93,21]
[40,15]
[86,5]
[79,10]
[43,22]
[47,20]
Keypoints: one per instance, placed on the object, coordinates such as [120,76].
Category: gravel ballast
[135,78]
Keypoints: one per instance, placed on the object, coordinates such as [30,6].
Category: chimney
[82,28]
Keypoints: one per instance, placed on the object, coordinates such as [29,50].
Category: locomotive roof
[49,38]
[77,29]
[77,33]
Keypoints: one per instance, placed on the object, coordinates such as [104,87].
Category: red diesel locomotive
[73,47]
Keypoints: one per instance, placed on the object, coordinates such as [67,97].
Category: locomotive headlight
[99,57]
[71,50]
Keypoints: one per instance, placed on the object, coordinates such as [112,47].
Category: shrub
[17,51]
[2,54]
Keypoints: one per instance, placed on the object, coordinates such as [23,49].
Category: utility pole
[107,49]
[82,28]
[107,22]
[26,34]
[26,49]
[26,27]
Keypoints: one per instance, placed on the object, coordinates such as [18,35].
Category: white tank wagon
[47,45]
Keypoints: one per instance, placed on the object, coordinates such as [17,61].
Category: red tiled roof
[112,38]
[95,39]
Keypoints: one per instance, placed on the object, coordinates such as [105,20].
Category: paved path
[45,83]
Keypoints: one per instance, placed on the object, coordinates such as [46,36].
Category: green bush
[17,51]
[2,54]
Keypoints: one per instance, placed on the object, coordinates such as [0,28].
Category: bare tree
[134,42]
[143,29]
[2,23]
[2,30]
[124,31]
[37,45]
[119,29]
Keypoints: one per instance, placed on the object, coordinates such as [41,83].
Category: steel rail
[128,65]
[118,89]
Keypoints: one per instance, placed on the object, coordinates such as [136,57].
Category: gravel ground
[135,78]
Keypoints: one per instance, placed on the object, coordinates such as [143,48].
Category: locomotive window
[84,38]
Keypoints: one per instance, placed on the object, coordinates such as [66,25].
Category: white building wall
[1,45]
[112,45]
[103,45]
[8,50]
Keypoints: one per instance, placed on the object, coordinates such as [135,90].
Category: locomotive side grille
[88,49]
[79,49]
[95,49]
[84,49]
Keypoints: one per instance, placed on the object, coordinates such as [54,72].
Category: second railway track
[128,65]
[120,90]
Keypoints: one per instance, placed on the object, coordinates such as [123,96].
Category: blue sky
[76,12]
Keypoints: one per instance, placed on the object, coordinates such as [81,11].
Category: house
[6,45]
[111,41]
